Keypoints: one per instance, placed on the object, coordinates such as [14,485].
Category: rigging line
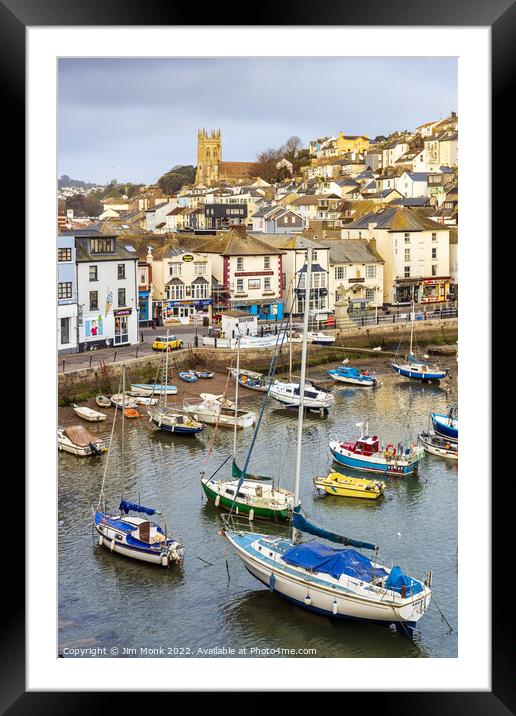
[212,441]
[219,468]
[109,450]
[442,615]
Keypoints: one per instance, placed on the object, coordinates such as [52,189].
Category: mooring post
[114,357]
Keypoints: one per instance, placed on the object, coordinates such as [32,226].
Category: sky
[134,119]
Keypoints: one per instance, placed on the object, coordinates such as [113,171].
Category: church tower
[209,154]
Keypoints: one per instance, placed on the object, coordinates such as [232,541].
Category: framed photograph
[323,152]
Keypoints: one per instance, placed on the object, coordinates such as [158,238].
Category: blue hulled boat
[188,376]
[353,376]
[414,368]
[446,425]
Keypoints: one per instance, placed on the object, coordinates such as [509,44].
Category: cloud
[135,118]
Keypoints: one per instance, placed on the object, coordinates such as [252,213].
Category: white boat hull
[330,601]
[352,381]
[107,540]
[211,418]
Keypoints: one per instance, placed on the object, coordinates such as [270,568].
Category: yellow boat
[345,486]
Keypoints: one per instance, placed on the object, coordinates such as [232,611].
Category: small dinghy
[204,373]
[437,445]
[346,486]
[131,413]
[175,421]
[78,441]
[250,379]
[88,414]
[118,401]
[153,389]
[188,376]
[145,400]
[103,401]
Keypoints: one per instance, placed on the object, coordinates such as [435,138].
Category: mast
[308,280]
[166,378]
[290,328]
[236,397]
[123,424]
[411,327]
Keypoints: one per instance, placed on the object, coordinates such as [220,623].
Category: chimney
[371,226]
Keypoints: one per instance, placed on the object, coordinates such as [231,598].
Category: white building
[416,252]
[66,296]
[356,273]
[107,292]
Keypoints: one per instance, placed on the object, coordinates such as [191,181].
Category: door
[121,330]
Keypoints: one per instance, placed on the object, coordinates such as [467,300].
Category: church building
[210,167]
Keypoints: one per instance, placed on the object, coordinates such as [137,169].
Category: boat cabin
[144,530]
[367,445]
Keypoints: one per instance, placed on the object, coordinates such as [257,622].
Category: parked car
[162,343]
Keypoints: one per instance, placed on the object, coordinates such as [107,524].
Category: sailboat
[172,420]
[251,495]
[128,535]
[414,368]
[328,581]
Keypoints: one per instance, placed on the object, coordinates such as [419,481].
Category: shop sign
[356,280]
[190,302]
[187,258]
[123,312]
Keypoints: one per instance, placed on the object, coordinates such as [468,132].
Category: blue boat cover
[304,525]
[127,506]
[323,558]
[397,580]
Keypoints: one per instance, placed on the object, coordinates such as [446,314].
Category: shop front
[271,310]
[186,310]
[421,290]
[144,308]
[122,317]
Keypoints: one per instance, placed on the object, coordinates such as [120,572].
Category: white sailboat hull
[125,550]
[330,601]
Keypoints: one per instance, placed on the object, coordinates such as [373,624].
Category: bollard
[114,357]
[137,348]
[91,358]
[196,341]
[63,365]
[394,318]
[215,339]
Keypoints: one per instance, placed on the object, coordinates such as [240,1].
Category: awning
[254,302]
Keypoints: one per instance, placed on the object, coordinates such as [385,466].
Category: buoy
[251,514]
[335,609]
[164,560]
[217,501]
[308,600]
[101,540]
[112,546]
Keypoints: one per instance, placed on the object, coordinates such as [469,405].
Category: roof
[237,242]
[82,246]
[291,241]
[237,169]
[352,251]
[396,218]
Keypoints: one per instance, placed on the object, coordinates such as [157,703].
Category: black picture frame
[15,16]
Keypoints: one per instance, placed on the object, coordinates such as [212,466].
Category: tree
[177,177]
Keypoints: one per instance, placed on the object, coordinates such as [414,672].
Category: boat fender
[251,514]
[164,560]
[112,546]
[101,540]
[272,581]
[217,501]
[335,609]
[308,600]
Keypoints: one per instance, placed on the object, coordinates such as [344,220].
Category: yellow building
[351,143]
[210,167]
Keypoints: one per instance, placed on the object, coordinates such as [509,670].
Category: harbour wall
[430,335]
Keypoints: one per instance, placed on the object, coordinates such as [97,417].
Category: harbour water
[110,601]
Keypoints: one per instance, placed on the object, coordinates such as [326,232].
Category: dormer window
[102,246]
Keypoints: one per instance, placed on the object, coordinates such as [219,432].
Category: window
[434,253]
[200,269]
[371,271]
[254,283]
[64,255]
[340,273]
[434,269]
[407,272]
[65,330]
[283,280]
[407,238]
[102,246]
[266,262]
[434,236]
[240,263]
[64,290]
[94,276]
[240,285]
[407,254]
[267,283]
[174,269]
[121,271]
[369,294]
[94,300]
[121,297]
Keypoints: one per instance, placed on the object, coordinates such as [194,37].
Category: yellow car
[162,343]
